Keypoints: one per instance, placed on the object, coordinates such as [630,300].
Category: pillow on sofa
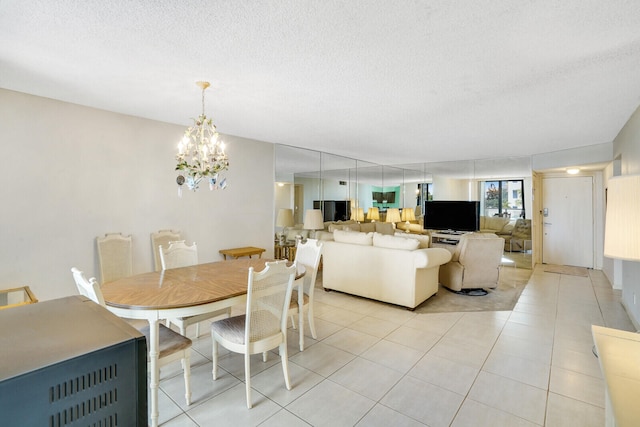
[353,237]
[368,227]
[384,228]
[334,227]
[352,227]
[424,239]
[393,242]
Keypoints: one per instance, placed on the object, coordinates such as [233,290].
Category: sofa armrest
[431,257]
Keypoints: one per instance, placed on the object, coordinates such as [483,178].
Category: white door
[567,221]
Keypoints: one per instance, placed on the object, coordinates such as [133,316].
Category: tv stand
[447,237]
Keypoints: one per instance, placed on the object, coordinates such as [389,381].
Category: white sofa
[392,269]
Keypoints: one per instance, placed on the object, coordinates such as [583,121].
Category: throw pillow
[353,237]
[384,228]
[393,242]
[422,238]
[352,227]
[368,227]
[334,227]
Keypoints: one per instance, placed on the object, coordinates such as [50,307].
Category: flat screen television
[451,215]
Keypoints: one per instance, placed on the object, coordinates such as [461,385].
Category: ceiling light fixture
[201,153]
[573,171]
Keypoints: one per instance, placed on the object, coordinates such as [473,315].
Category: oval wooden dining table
[181,292]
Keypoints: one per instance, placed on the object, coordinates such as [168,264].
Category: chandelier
[201,154]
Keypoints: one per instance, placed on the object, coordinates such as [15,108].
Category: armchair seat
[475,263]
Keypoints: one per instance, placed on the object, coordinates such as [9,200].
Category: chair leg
[285,364]
[247,377]
[186,366]
[214,358]
[312,324]
[301,327]
[293,322]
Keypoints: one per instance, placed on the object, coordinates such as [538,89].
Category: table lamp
[393,215]
[408,215]
[357,214]
[373,214]
[284,220]
[313,220]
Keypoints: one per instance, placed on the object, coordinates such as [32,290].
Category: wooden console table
[285,251]
[236,253]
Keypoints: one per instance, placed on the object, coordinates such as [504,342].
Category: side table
[285,250]
[236,253]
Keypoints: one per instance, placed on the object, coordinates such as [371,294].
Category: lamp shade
[357,214]
[285,218]
[418,210]
[393,215]
[622,226]
[313,219]
[373,214]
[408,214]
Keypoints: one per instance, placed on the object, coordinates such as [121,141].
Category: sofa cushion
[368,227]
[353,237]
[384,228]
[393,242]
[424,239]
[352,227]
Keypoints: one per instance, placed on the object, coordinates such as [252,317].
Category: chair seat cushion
[231,328]
[294,299]
[169,340]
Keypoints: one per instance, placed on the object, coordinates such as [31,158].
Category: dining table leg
[153,369]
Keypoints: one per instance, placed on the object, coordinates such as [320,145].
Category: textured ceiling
[387,81]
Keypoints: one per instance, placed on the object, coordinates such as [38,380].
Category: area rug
[567,269]
[503,298]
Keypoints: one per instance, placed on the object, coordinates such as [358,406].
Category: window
[503,198]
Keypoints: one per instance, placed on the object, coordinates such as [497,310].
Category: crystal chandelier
[201,154]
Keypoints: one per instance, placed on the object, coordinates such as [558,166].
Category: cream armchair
[475,263]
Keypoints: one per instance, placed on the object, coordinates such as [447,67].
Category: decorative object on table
[264,326]
[622,228]
[201,153]
[284,220]
[313,220]
[373,214]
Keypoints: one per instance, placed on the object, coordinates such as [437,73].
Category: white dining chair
[172,346]
[264,325]
[308,254]
[178,254]
[162,237]
[114,256]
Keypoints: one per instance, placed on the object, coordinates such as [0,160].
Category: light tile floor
[378,365]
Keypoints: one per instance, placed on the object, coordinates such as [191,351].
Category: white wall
[626,146]
[71,173]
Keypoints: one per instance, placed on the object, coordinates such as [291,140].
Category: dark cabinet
[334,210]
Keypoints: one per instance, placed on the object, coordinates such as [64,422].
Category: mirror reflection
[346,189]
